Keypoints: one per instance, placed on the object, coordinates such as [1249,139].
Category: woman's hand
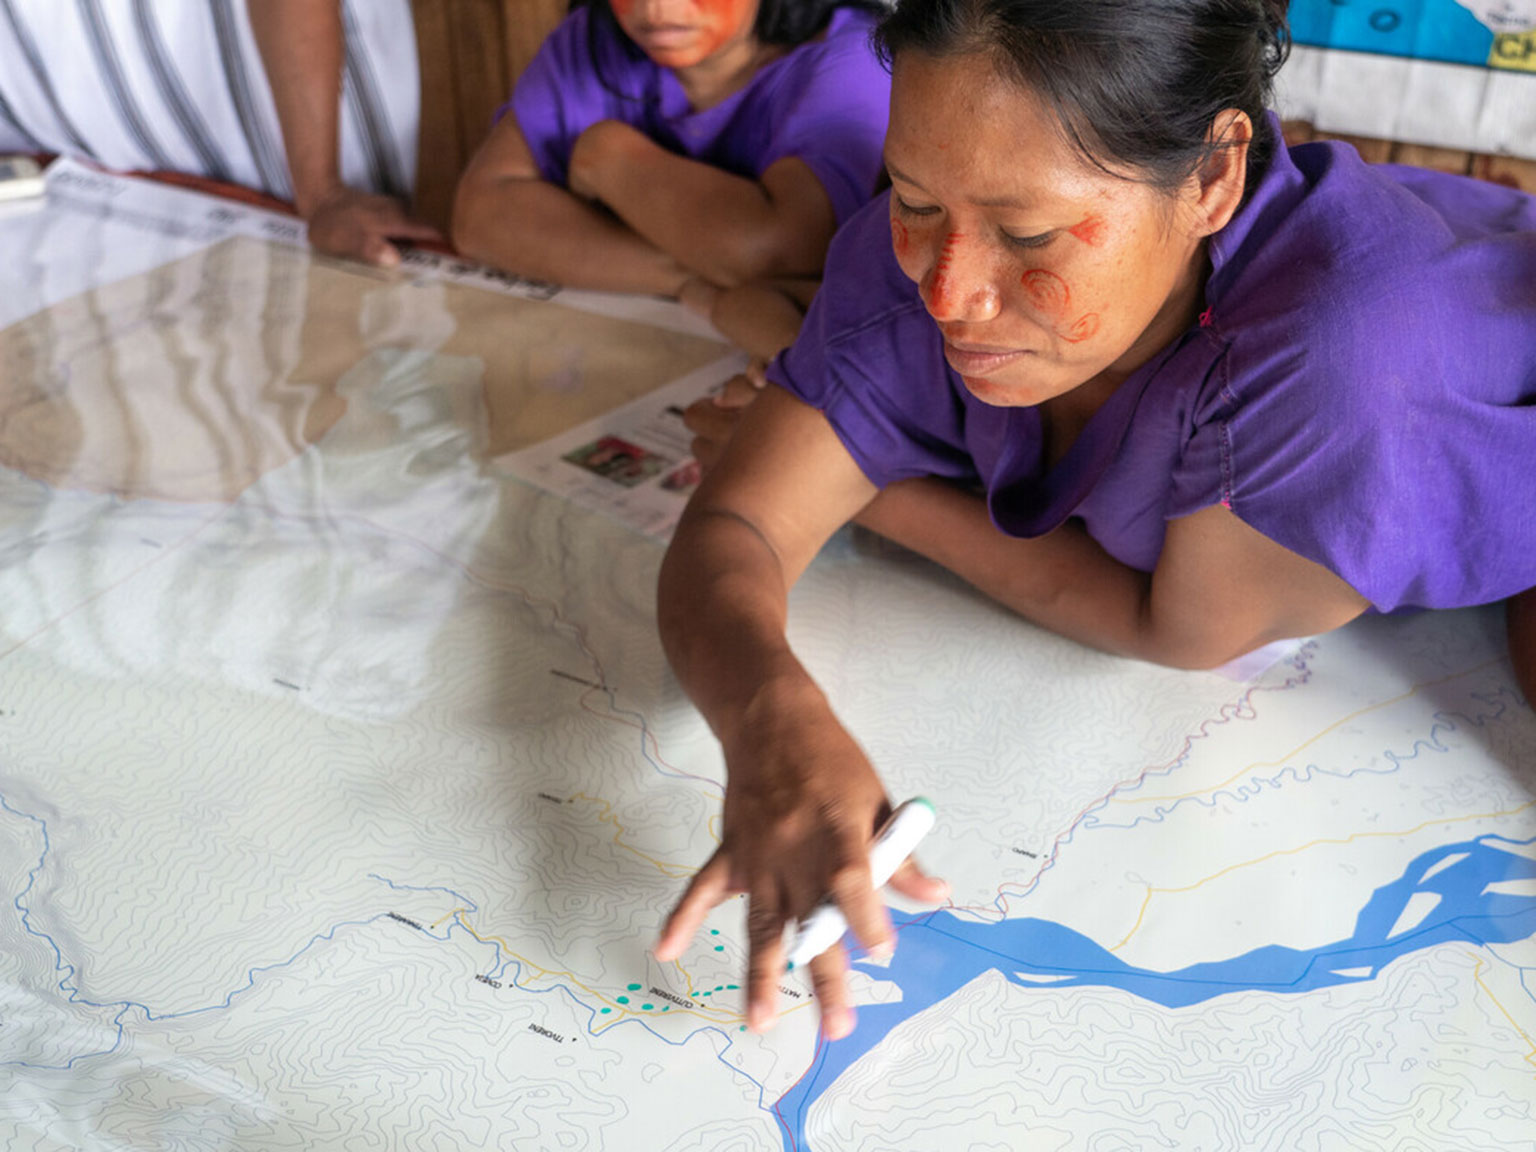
[761,318]
[713,418]
[801,810]
[698,295]
[359,226]
[802,802]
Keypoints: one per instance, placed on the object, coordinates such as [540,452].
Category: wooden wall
[1500,169]
[471,51]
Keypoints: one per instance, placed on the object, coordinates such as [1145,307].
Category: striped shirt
[179,85]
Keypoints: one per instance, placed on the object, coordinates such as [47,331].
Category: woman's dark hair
[1135,84]
[784,22]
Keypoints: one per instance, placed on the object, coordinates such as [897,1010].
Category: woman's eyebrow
[897,174]
[1006,201]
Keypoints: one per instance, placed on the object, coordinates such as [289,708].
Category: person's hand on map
[303,47]
[801,808]
[713,418]
[359,226]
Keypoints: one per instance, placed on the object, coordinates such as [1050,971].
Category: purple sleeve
[1385,438]
[1375,407]
[866,359]
[837,98]
[559,96]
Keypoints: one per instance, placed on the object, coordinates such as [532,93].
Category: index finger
[737,392]
[406,228]
[379,251]
[710,420]
[709,887]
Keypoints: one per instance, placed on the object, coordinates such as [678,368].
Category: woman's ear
[1220,180]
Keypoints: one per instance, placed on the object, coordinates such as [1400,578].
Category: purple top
[824,102]
[1362,389]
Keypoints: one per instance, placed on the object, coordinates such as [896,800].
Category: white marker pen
[893,843]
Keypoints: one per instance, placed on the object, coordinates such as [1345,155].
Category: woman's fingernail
[834,1027]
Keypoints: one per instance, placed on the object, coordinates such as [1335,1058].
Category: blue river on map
[940,953]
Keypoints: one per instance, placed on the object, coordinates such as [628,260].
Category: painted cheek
[721,19]
[1049,295]
[1047,292]
[901,242]
[1085,327]
[622,8]
[1090,231]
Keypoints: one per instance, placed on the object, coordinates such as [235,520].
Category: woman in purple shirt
[1115,355]
[656,142]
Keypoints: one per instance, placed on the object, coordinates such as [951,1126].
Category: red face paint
[900,241]
[1084,328]
[683,33]
[938,289]
[721,20]
[1049,295]
[1090,231]
[1047,292]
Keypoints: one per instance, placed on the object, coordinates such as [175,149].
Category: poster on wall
[1448,73]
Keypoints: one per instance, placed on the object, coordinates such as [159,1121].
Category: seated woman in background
[655,143]
[1114,354]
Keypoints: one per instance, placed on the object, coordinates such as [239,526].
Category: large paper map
[343,785]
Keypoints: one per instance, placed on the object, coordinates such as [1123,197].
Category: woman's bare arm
[505,213]
[729,229]
[302,47]
[1220,589]
[802,800]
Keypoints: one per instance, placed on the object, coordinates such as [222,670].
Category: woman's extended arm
[1220,588]
[301,44]
[802,801]
[729,229]
[507,214]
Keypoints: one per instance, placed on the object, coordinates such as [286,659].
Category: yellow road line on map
[1477,975]
[606,816]
[1136,927]
[673,871]
[1313,739]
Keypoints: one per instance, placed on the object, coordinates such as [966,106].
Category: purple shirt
[824,102]
[1362,389]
